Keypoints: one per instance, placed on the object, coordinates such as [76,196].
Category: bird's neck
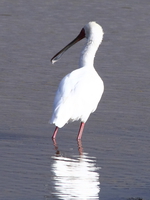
[88,54]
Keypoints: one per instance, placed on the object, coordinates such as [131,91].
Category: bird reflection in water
[76,177]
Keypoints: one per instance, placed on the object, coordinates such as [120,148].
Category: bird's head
[90,31]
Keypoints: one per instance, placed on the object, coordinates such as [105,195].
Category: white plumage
[80,91]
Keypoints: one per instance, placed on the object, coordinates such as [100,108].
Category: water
[115,145]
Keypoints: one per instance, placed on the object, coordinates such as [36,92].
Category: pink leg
[55,133]
[80,131]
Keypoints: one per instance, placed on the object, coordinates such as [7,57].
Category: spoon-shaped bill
[60,53]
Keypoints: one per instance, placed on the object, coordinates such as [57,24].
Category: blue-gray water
[115,161]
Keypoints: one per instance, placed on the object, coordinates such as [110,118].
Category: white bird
[80,91]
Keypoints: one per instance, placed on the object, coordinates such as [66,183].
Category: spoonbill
[80,91]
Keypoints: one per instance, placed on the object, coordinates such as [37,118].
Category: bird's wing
[64,90]
[65,98]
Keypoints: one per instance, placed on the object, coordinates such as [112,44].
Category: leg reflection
[56,146]
[79,143]
[80,148]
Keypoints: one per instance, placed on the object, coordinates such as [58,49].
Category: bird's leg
[80,131]
[55,133]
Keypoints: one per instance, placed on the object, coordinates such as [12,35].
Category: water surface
[115,144]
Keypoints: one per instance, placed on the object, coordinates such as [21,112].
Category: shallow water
[112,163]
